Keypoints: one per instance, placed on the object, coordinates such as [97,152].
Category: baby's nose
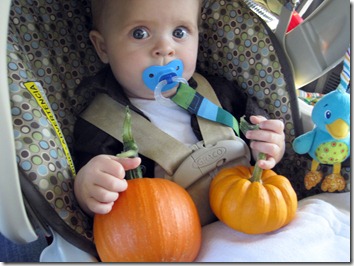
[163,48]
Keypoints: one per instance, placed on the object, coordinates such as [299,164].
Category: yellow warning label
[36,93]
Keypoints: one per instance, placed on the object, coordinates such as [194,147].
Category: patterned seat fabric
[48,44]
[49,51]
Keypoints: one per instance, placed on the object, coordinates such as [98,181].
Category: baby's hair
[97,7]
[96,12]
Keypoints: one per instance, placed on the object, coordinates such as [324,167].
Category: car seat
[49,53]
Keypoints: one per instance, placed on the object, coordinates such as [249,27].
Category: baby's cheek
[188,73]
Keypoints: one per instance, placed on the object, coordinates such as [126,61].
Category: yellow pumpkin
[252,205]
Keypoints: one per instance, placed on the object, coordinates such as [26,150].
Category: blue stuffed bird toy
[329,141]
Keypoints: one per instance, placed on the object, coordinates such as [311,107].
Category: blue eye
[140,33]
[328,114]
[180,33]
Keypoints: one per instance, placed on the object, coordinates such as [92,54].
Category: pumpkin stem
[257,171]
[130,148]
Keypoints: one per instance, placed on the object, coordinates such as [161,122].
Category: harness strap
[100,111]
[108,115]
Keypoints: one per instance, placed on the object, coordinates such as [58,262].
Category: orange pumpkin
[252,205]
[154,220]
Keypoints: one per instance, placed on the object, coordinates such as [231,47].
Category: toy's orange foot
[312,179]
[333,182]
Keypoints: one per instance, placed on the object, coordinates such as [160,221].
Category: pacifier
[163,78]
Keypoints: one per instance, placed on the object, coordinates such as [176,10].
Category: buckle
[206,158]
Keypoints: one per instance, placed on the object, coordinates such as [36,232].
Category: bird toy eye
[328,114]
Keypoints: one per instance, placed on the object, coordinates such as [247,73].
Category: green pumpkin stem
[257,171]
[130,148]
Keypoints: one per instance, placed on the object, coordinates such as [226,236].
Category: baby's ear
[99,44]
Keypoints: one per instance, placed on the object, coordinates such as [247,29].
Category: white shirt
[170,118]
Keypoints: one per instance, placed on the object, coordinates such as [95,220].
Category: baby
[130,36]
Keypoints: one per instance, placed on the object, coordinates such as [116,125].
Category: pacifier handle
[158,90]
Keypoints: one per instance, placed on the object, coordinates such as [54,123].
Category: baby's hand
[98,183]
[269,139]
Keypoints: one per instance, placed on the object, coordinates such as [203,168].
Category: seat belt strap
[100,111]
[108,115]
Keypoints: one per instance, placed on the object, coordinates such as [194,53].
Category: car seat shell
[16,226]
[64,92]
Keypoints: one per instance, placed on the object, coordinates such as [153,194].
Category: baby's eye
[140,33]
[180,33]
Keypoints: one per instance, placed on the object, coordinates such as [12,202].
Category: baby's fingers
[274,125]
[111,183]
[269,148]
[267,164]
[99,207]
[118,166]
[100,194]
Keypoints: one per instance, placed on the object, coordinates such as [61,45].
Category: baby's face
[136,34]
